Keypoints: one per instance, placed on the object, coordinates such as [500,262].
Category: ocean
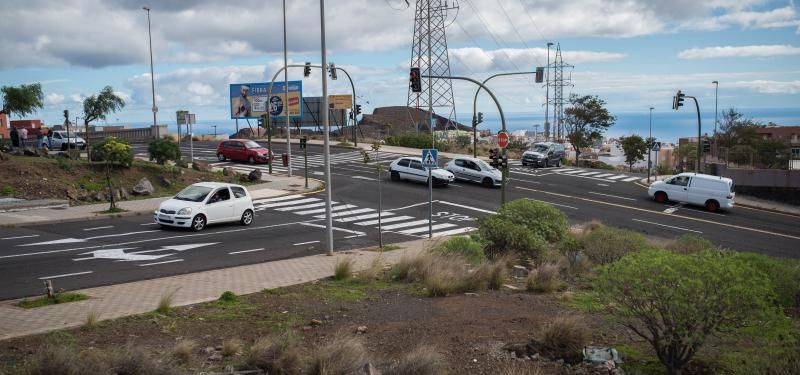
[667,126]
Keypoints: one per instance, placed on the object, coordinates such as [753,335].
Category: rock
[228,171]
[27,151]
[143,187]
[229,369]
[201,166]
[124,194]
[116,194]
[216,357]
[209,350]
[369,369]
[165,182]
[99,196]
[72,195]
[510,287]
[306,328]
[315,322]
[598,355]
[361,330]
[5,148]
[255,175]
[519,272]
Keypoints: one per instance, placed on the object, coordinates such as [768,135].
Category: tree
[684,299]
[735,130]
[113,151]
[687,156]
[586,120]
[96,107]
[634,148]
[163,149]
[22,100]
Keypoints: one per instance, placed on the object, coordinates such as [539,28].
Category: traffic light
[66,114]
[494,156]
[416,80]
[706,146]
[303,143]
[307,69]
[539,74]
[262,121]
[677,101]
[474,121]
[504,163]
[480,117]
[333,71]
[358,109]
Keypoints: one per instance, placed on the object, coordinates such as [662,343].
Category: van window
[680,181]
[403,163]
[238,192]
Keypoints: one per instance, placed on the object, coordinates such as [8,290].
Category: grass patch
[341,355]
[461,245]
[343,268]
[282,323]
[92,317]
[45,301]
[424,360]
[165,303]
[228,297]
[7,191]
[582,300]
[229,311]
[182,351]
[349,290]
[565,337]
[544,279]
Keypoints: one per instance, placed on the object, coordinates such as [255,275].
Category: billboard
[251,100]
[340,101]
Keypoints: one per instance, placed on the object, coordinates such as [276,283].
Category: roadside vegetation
[532,291]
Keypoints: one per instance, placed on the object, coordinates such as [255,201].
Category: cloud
[742,51]
[770,87]
[53,98]
[478,60]
[769,19]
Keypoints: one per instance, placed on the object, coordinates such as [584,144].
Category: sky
[633,54]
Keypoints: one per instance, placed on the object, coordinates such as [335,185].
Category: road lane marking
[363,217]
[604,175]
[155,239]
[589,173]
[668,226]
[364,178]
[554,204]
[454,231]
[164,262]
[245,251]
[572,171]
[409,206]
[629,179]
[404,225]
[321,210]
[662,213]
[602,184]
[278,199]
[149,224]
[530,182]
[334,228]
[467,207]
[355,235]
[305,243]
[303,207]
[425,228]
[18,237]
[98,228]
[590,177]
[290,203]
[346,213]
[612,196]
[617,177]
[66,275]
[384,220]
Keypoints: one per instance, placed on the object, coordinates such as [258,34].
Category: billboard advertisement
[251,100]
[340,101]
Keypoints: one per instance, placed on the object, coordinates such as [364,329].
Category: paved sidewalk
[120,300]
[276,186]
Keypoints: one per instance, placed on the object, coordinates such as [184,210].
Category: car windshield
[539,148]
[193,193]
[251,144]
[483,165]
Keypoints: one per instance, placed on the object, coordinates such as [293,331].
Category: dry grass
[492,275]
[339,356]
[565,337]
[448,274]
[133,360]
[424,360]
[52,360]
[373,272]
[544,279]
[165,303]
[276,355]
[92,317]
[231,347]
[412,268]
[521,368]
[182,351]
[343,268]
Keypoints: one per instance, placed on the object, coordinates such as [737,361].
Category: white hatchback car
[206,203]
[410,168]
[475,170]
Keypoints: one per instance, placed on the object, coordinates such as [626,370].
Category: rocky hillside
[400,119]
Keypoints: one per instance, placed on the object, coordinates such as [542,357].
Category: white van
[713,192]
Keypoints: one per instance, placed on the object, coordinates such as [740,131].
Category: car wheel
[488,182]
[660,197]
[558,163]
[247,217]
[712,205]
[198,223]
[251,160]
[220,157]
[524,164]
[395,176]
[546,163]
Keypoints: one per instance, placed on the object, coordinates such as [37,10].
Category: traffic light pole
[475,109]
[502,124]
[699,134]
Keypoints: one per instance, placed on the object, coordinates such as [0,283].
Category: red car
[244,150]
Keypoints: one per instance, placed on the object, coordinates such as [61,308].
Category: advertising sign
[340,101]
[251,100]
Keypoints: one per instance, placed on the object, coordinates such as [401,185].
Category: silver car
[476,170]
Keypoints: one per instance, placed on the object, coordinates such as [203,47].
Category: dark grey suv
[544,154]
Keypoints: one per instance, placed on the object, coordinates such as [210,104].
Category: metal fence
[747,158]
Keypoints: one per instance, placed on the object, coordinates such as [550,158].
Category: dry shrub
[92,317]
[182,351]
[165,303]
[53,360]
[564,338]
[589,226]
[373,272]
[544,279]
[231,347]
[521,368]
[343,268]
[604,245]
[447,274]
[424,360]
[339,356]
[134,361]
[412,268]
[491,275]
[275,355]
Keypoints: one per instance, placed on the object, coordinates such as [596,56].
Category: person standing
[14,137]
[50,138]
[23,137]
[39,137]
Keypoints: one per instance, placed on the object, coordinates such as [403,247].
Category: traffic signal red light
[416,80]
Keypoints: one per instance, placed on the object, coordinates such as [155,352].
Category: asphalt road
[101,252]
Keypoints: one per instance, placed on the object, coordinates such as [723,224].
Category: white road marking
[305,243]
[602,185]
[164,262]
[364,178]
[335,228]
[318,173]
[65,275]
[98,228]
[405,225]
[588,173]
[303,207]
[18,237]
[409,206]
[149,224]
[572,171]
[631,179]
[321,210]
[554,204]
[530,182]
[355,235]
[245,251]
[604,175]
[612,196]
[668,226]
[467,207]
[346,213]
[363,217]
[277,199]
[187,246]
[290,203]
[617,177]
[425,228]
[55,242]
[454,231]
[386,220]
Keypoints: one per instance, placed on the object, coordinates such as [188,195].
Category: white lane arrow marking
[55,242]
[119,254]
[187,247]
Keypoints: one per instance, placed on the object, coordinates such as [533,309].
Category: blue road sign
[430,158]
[656,146]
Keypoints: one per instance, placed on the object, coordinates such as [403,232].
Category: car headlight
[185,211]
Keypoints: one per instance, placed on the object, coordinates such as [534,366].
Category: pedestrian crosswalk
[351,159]
[577,172]
[349,214]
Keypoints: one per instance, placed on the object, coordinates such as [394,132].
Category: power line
[535,26]
[510,22]
[485,26]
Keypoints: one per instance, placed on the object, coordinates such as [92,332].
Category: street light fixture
[152,79]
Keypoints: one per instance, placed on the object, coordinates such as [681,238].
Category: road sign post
[429,161]
[303,141]
[502,142]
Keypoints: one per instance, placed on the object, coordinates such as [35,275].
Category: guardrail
[134,135]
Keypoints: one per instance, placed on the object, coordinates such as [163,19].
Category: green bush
[518,146]
[228,297]
[163,149]
[540,218]
[690,244]
[604,244]
[465,246]
[571,247]
[675,302]
[503,236]
[663,170]
[421,140]
[113,151]
[784,276]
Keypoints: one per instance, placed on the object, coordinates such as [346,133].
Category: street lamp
[547,95]
[716,92]
[650,147]
[152,79]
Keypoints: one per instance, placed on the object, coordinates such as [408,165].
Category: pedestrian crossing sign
[430,157]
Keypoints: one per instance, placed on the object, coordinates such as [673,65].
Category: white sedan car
[475,170]
[410,168]
[206,203]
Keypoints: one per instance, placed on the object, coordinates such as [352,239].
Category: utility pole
[430,124]
[650,146]
[286,95]
[152,77]
[716,112]
[326,128]
[547,95]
